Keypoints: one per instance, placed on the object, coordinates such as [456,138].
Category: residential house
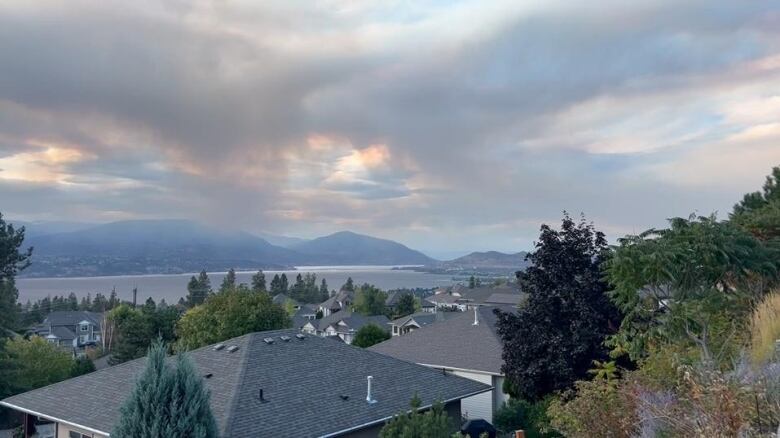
[283,299]
[427,306]
[409,323]
[343,325]
[465,345]
[463,299]
[304,314]
[70,329]
[341,300]
[262,384]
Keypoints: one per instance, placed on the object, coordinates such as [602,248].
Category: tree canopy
[12,260]
[369,335]
[198,289]
[433,423]
[759,212]
[229,314]
[552,340]
[370,300]
[167,401]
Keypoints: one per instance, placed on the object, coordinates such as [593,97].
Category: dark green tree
[759,212]
[406,305]
[324,292]
[198,289]
[349,286]
[229,281]
[12,260]
[258,282]
[370,300]
[472,282]
[369,335]
[283,283]
[167,402]
[551,341]
[82,365]
[135,329]
[433,423]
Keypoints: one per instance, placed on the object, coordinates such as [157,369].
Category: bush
[530,417]
[369,335]
[598,408]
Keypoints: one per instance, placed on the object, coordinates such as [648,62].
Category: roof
[455,343]
[443,299]
[502,298]
[351,319]
[282,299]
[290,381]
[426,303]
[67,317]
[63,333]
[423,318]
[483,295]
[335,301]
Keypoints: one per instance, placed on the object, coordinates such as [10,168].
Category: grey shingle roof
[303,395]
[72,318]
[503,298]
[455,343]
[424,318]
[353,320]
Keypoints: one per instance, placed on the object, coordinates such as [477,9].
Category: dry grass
[765,329]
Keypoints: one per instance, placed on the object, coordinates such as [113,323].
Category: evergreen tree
[12,260]
[324,293]
[553,339]
[229,281]
[370,300]
[283,283]
[298,291]
[82,365]
[349,286]
[472,282]
[198,289]
[407,305]
[276,285]
[258,282]
[167,402]
[86,302]
[434,423]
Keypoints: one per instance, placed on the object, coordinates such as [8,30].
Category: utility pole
[135,295]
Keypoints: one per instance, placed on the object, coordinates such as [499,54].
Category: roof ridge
[239,381]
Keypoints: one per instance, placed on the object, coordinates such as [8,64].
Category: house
[344,325]
[462,298]
[304,314]
[427,306]
[262,384]
[341,300]
[70,329]
[445,301]
[465,345]
[409,323]
[282,300]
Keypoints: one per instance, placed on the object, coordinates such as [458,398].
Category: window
[84,328]
[73,434]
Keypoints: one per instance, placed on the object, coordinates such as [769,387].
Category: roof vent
[285,338]
[232,348]
[300,336]
[369,399]
[268,341]
[207,375]
[344,397]
[476,318]
[261,397]
[219,347]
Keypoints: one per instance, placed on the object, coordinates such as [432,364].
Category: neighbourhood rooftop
[298,374]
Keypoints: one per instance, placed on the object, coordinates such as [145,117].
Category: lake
[172,287]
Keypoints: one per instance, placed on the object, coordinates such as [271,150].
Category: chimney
[476,317]
[369,399]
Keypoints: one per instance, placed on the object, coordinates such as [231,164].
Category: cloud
[451,125]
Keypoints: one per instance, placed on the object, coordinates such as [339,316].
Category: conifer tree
[258,282]
[229,282]
[167,401]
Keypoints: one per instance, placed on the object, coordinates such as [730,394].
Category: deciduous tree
[369,335]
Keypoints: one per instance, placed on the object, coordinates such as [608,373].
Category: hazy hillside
[177,246]
[347,248]
[489,260]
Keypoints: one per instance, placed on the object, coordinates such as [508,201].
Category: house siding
[480,405]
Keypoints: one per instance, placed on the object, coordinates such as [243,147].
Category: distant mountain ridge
[489,259]
[178,246]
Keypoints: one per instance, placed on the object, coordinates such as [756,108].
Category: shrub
[765,329]
[530,417]
[597,408]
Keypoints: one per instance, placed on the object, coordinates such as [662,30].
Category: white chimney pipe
[368,396]
[476,318]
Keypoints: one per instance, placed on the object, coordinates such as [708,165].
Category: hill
[348,248]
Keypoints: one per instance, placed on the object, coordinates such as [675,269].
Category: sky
[449,126]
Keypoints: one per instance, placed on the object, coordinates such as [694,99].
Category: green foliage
[167,401]
[198,289]
[33,363]
[349,285]
[370,300]
[12,260]
[759,212]
[279,284]
[530,417]
[551,341]
[433,423]
[599,409]
[82,365]
[135,329]
[369,335]
[305,289]
[227,315]
[258,282]
[688,281]
[406,305]
[472,282]
[228,281]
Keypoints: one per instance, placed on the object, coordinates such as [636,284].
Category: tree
[35,363]
[370,300]
[406,305]
[434,423]
[167,402]
[324,292]
[552,340]
[135,329]
[229,281]
[349,286]
[82,365]
[258,282]
[472,282]
[198,289]
[369,335]
[759,212]
[12,261]
[230,314]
